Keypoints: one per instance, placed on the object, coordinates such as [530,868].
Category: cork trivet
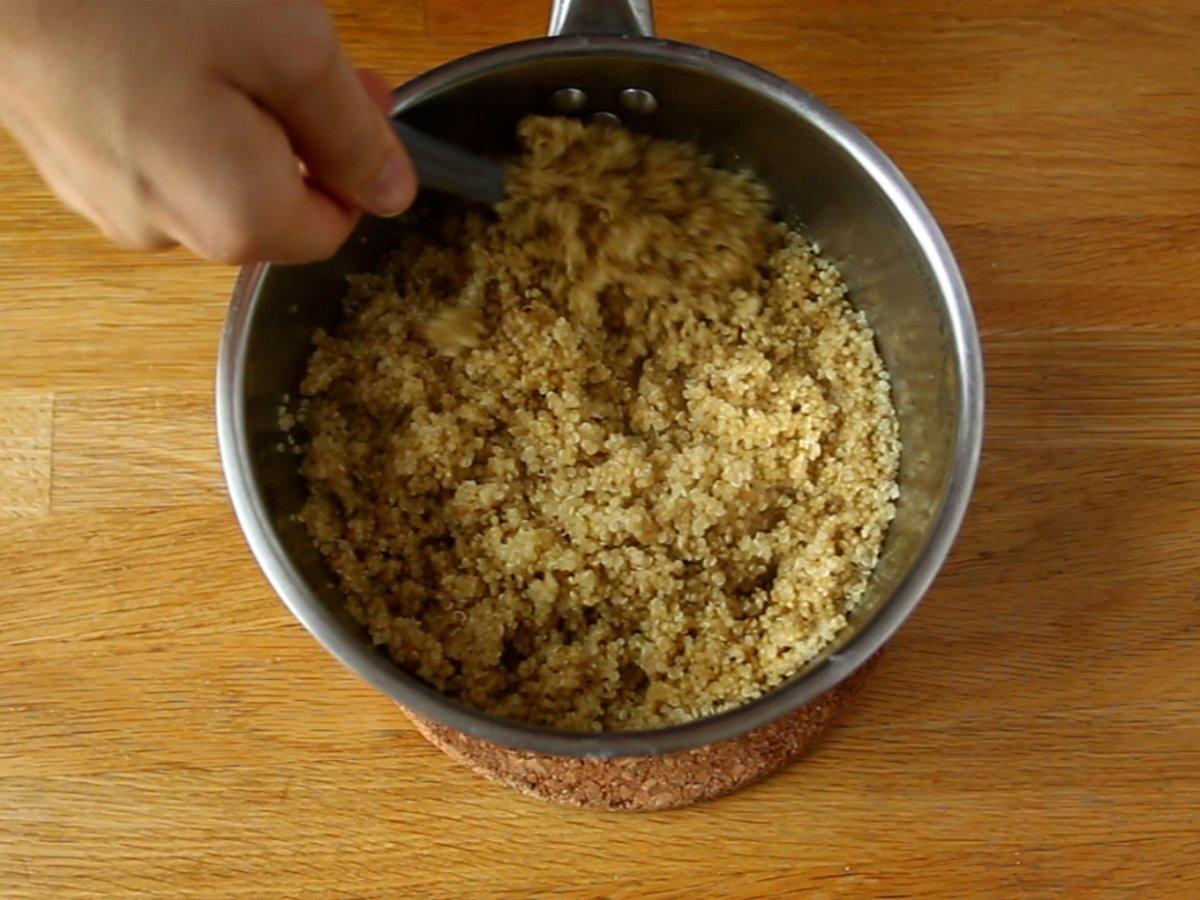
[642,783]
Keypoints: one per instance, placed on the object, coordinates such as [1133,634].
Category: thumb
[338,127]
[377,89]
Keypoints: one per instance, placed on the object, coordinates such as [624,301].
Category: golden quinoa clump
[620,456]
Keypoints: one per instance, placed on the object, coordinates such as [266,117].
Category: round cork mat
[643,783]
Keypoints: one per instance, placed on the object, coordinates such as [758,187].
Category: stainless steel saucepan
[602,58]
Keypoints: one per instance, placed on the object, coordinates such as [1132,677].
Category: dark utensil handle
[445,167]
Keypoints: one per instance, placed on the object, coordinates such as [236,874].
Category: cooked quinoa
[618,456]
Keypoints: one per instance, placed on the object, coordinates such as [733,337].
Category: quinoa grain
[621,457]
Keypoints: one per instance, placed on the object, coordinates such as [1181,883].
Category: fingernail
[391,191]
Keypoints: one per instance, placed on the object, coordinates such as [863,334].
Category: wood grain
[167,728]
[25,453]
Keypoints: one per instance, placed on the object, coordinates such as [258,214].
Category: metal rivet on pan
[605,118]
[568,100]
[638,100]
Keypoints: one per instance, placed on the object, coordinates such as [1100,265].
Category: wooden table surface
[166,726]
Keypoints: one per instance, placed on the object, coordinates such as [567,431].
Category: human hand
[237,128]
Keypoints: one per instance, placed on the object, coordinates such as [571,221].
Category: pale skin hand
[236,128]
